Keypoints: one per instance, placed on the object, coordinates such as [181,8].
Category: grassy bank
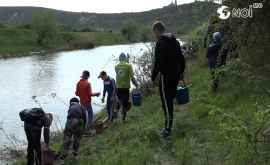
[20,42]
[223,128]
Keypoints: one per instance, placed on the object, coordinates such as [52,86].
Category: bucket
[182,95]
[99,127]
[136,97]
[48,156]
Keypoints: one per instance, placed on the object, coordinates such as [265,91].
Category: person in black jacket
[34,120]
[169,63]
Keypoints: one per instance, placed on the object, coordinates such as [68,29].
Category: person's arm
[90,91]
[104,93]
[157,59]
[181,60]
[77,90]
[114,88]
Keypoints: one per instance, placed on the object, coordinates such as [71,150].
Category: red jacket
[84,91]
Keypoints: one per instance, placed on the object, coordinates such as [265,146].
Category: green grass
[202,134]
[16,42]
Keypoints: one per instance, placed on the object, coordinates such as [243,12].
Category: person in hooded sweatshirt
[169,64]
[212,56]
[73,129]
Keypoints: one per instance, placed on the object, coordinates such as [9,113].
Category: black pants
[167,90]
[34,147]
[123,96]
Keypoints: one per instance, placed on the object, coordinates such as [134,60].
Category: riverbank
[21,42]
[215,128]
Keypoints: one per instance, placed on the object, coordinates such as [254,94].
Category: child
[73,129]
[110,89]
[124,74]
[84,92]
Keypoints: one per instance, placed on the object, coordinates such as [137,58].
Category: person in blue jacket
[110,89]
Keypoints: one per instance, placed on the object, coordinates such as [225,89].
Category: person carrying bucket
[84,92]
[169,63]
[110,89]
[124,74]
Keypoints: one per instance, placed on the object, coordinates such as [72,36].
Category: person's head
[217,37]
[73,100]
[158,29]
[122,57]
[85,75]
[103,75]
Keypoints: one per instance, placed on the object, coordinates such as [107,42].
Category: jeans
[89,115]
[110,108]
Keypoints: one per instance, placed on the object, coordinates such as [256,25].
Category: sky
[98,6]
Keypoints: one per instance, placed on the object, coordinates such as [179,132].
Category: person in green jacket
[124,74]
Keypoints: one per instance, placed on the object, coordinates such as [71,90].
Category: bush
[2,26]
[130,31]
[45,27]
[143,70]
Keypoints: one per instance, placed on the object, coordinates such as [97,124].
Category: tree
[45,27]
[130,31]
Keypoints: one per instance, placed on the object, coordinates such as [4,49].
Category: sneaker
[165,133]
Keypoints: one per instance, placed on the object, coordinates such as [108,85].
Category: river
[42,75]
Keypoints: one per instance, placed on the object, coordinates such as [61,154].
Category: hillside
[186,16]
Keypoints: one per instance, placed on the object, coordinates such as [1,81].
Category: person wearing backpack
[73,129]
[124,74]
[169,64]
[34,120]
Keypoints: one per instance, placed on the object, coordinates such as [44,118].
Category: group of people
[168,67]
[80,113]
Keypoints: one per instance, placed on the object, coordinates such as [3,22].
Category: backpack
[32,115]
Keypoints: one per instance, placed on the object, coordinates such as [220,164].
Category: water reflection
[43,70]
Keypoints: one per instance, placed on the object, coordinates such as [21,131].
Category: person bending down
[73,129]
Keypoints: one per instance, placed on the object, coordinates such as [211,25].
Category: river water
[42,75]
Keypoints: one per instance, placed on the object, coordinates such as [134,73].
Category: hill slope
[187,15]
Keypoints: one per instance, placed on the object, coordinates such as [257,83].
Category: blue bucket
[136,97]
[182,95]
